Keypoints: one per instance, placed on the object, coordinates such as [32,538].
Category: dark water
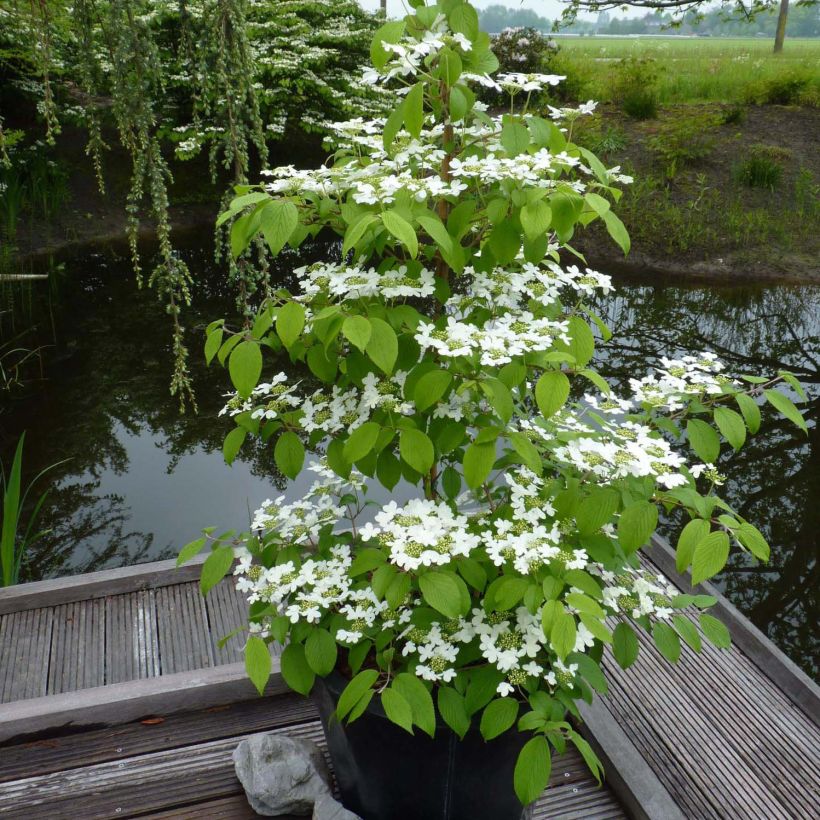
[141,480]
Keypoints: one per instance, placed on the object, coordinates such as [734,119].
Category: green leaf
[354,691]
[393,126]
[390,32]
[478,463]
[590,758]
[515,137]
[435,227]
[190,550]
[504,242]
[289,454]
[320,365]
[356,230]
[320,651]
[732,426]
[449,66]
[212,344]
[688,631]
[596,510]
[553,609]
[420,700]
[563,634]
[257,662]
[414,110]
[715,631]
[532,770]
[751,538]
[691,535]
[290,321]
[667,641]
[361,441]
[357,330]
[216,567]
[417,450]
[452,710]
[785,406]
[551,392]
[245,367]
[506,591]
[500,398]
[535,219]
[710,556]
[402,230]
[295,669]
[590,671]
[750,410]
[278,220]
[617,230]
[431,387]
[383,347]
[498,716]
[703,440]
[625,646]
[527,451]
[464,19]
[366,560]
[398,709]
[636,524]
[441,591]
[233,441]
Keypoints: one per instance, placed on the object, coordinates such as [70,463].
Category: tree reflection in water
[142,479]
[775,480]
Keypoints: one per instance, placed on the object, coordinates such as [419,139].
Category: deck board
[183,649]
[131,639]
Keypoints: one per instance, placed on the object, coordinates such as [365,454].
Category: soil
[90,218]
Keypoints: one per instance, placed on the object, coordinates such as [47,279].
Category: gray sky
[546,8]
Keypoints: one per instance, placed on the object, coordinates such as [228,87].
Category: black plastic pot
[385,773]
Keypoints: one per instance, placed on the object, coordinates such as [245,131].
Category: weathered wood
[123,702]
[188,648]
[102,584]
[767,657]
[77,647]
[26,641]
[131,640]
[227,611]
[156,734]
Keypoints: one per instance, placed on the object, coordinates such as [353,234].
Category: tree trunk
[780,32]
[383,4]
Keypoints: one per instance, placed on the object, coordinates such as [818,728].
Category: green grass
[695,70]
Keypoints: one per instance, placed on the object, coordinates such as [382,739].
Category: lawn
[696,69]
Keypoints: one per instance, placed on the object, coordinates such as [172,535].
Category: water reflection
[141,479]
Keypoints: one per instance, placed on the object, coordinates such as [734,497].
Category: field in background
[694,69]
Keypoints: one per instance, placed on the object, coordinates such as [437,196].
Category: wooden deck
[117,701]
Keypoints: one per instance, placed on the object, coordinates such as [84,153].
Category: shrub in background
[635,87]
[763,168]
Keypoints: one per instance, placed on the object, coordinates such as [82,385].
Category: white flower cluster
[680,378]
[636,593]
[421,533]
[514,82]
[497,341]
[349,282]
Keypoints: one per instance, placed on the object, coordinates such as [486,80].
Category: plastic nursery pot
[385,773]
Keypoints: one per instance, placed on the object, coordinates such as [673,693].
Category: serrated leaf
[233,442]
[431,387]
[532,770]
[535,219]
[245,367]
[452,710]
[441,591]
[257,662]
[563,634]
[751,538]
[357,330]
[703,440]
[417,450]
[636,524]
[295,670]
[402,230]
[397,709]
[710,556]
[321,651]
[667,641]
[786,407]
[478,463]
[290,321]
[289,454]
[732,426]
[688,631]
[354,691]
[383,347]
[420,700]
[750,410]
[216,567]
[551,392]
[498,716]
[691,535]
[361,441]
[278,220]
[625,645]
[715,631]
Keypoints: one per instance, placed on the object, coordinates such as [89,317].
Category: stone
[326,808]
[284,775]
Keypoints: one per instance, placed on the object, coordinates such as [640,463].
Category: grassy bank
[691,70]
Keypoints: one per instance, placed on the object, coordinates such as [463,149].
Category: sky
[546,8]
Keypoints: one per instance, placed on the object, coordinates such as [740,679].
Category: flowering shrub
[449,355]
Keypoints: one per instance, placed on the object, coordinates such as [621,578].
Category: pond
[138,480]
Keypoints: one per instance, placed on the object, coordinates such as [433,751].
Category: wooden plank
[26,656]
[223,808]
[227,610]
[120,703]
[202,772]
[768,658]
[54,754]
[131,640]
[184,634]
[77,647]
[100,584]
